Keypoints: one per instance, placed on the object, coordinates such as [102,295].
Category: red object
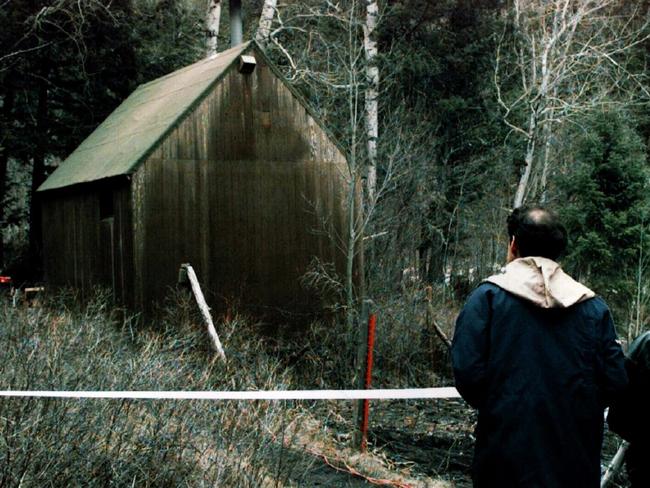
[5,280]
[372,324]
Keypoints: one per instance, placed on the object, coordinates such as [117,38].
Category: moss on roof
[134,129]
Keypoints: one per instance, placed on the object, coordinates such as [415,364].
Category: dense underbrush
[61,345]
[408,351]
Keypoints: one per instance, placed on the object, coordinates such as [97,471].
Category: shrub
[64,346]
[606,195]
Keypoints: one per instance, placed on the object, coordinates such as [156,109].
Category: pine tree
[606,194]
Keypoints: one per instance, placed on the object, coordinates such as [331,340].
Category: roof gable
[134,128]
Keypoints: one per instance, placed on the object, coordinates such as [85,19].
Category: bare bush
[128,442]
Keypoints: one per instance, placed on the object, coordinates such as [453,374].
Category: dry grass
[63,345]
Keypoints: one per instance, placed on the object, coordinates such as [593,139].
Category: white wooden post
[205,310]
[614,465]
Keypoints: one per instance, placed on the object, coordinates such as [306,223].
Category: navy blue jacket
[629,416]
[540,379]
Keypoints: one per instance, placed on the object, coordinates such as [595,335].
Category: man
[535,352]
[629,415]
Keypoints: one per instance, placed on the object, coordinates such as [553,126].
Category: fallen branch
[440,333]
[614,465]
[432,321]
[337,463]
[341,466]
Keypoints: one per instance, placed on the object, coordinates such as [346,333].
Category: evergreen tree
[63,68]
[606,194]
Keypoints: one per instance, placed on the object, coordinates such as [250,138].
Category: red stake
[372,323]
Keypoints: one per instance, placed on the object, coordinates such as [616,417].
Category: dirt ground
[434,438]
[418,444]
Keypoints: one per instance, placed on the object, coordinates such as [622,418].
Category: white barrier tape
[385,394]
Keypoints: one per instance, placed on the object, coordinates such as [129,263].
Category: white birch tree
[371,95]
[266,21]
[570,57]
[339,62]
[212,20]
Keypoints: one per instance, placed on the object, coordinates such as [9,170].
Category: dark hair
[537,232]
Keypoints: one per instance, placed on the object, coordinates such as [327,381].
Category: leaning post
[614,465]
[187,272]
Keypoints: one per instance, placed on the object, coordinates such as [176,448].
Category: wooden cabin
[221,165]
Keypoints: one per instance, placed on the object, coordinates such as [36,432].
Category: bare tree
[338,60]
[266,20]
[642,299]
[565,58]
[8,97]
[32,36]
[372,95]
[212,26]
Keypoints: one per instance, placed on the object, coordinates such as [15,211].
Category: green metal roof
[133,130]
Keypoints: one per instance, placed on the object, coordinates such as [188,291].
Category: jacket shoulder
[486,287]
[483,293]
[639,352]
[594,307]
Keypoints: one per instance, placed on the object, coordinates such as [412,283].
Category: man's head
[535,231]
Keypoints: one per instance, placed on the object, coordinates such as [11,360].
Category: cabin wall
[87,238]
[248,189]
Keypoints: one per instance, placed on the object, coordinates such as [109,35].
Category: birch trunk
[548,134]
[266,20]
[522,187]
[212,26]
[546,168]
[351,244]
[372,95]
[351,248]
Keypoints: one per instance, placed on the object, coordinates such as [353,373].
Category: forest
[451,112]
[480,106]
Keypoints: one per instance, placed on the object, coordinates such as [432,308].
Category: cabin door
[107,239]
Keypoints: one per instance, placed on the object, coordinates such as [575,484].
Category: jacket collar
[542,282]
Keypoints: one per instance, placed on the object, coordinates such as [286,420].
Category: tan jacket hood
[542,282]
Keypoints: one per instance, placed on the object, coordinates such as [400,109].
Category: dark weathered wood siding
[81,249]
[247,189]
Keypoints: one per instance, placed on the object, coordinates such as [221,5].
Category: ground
[411,443]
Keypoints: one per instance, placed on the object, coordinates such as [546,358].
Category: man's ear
[513,250]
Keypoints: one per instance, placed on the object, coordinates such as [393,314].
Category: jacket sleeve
[623,416]
[470,348]
[613,377]
[628,414]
